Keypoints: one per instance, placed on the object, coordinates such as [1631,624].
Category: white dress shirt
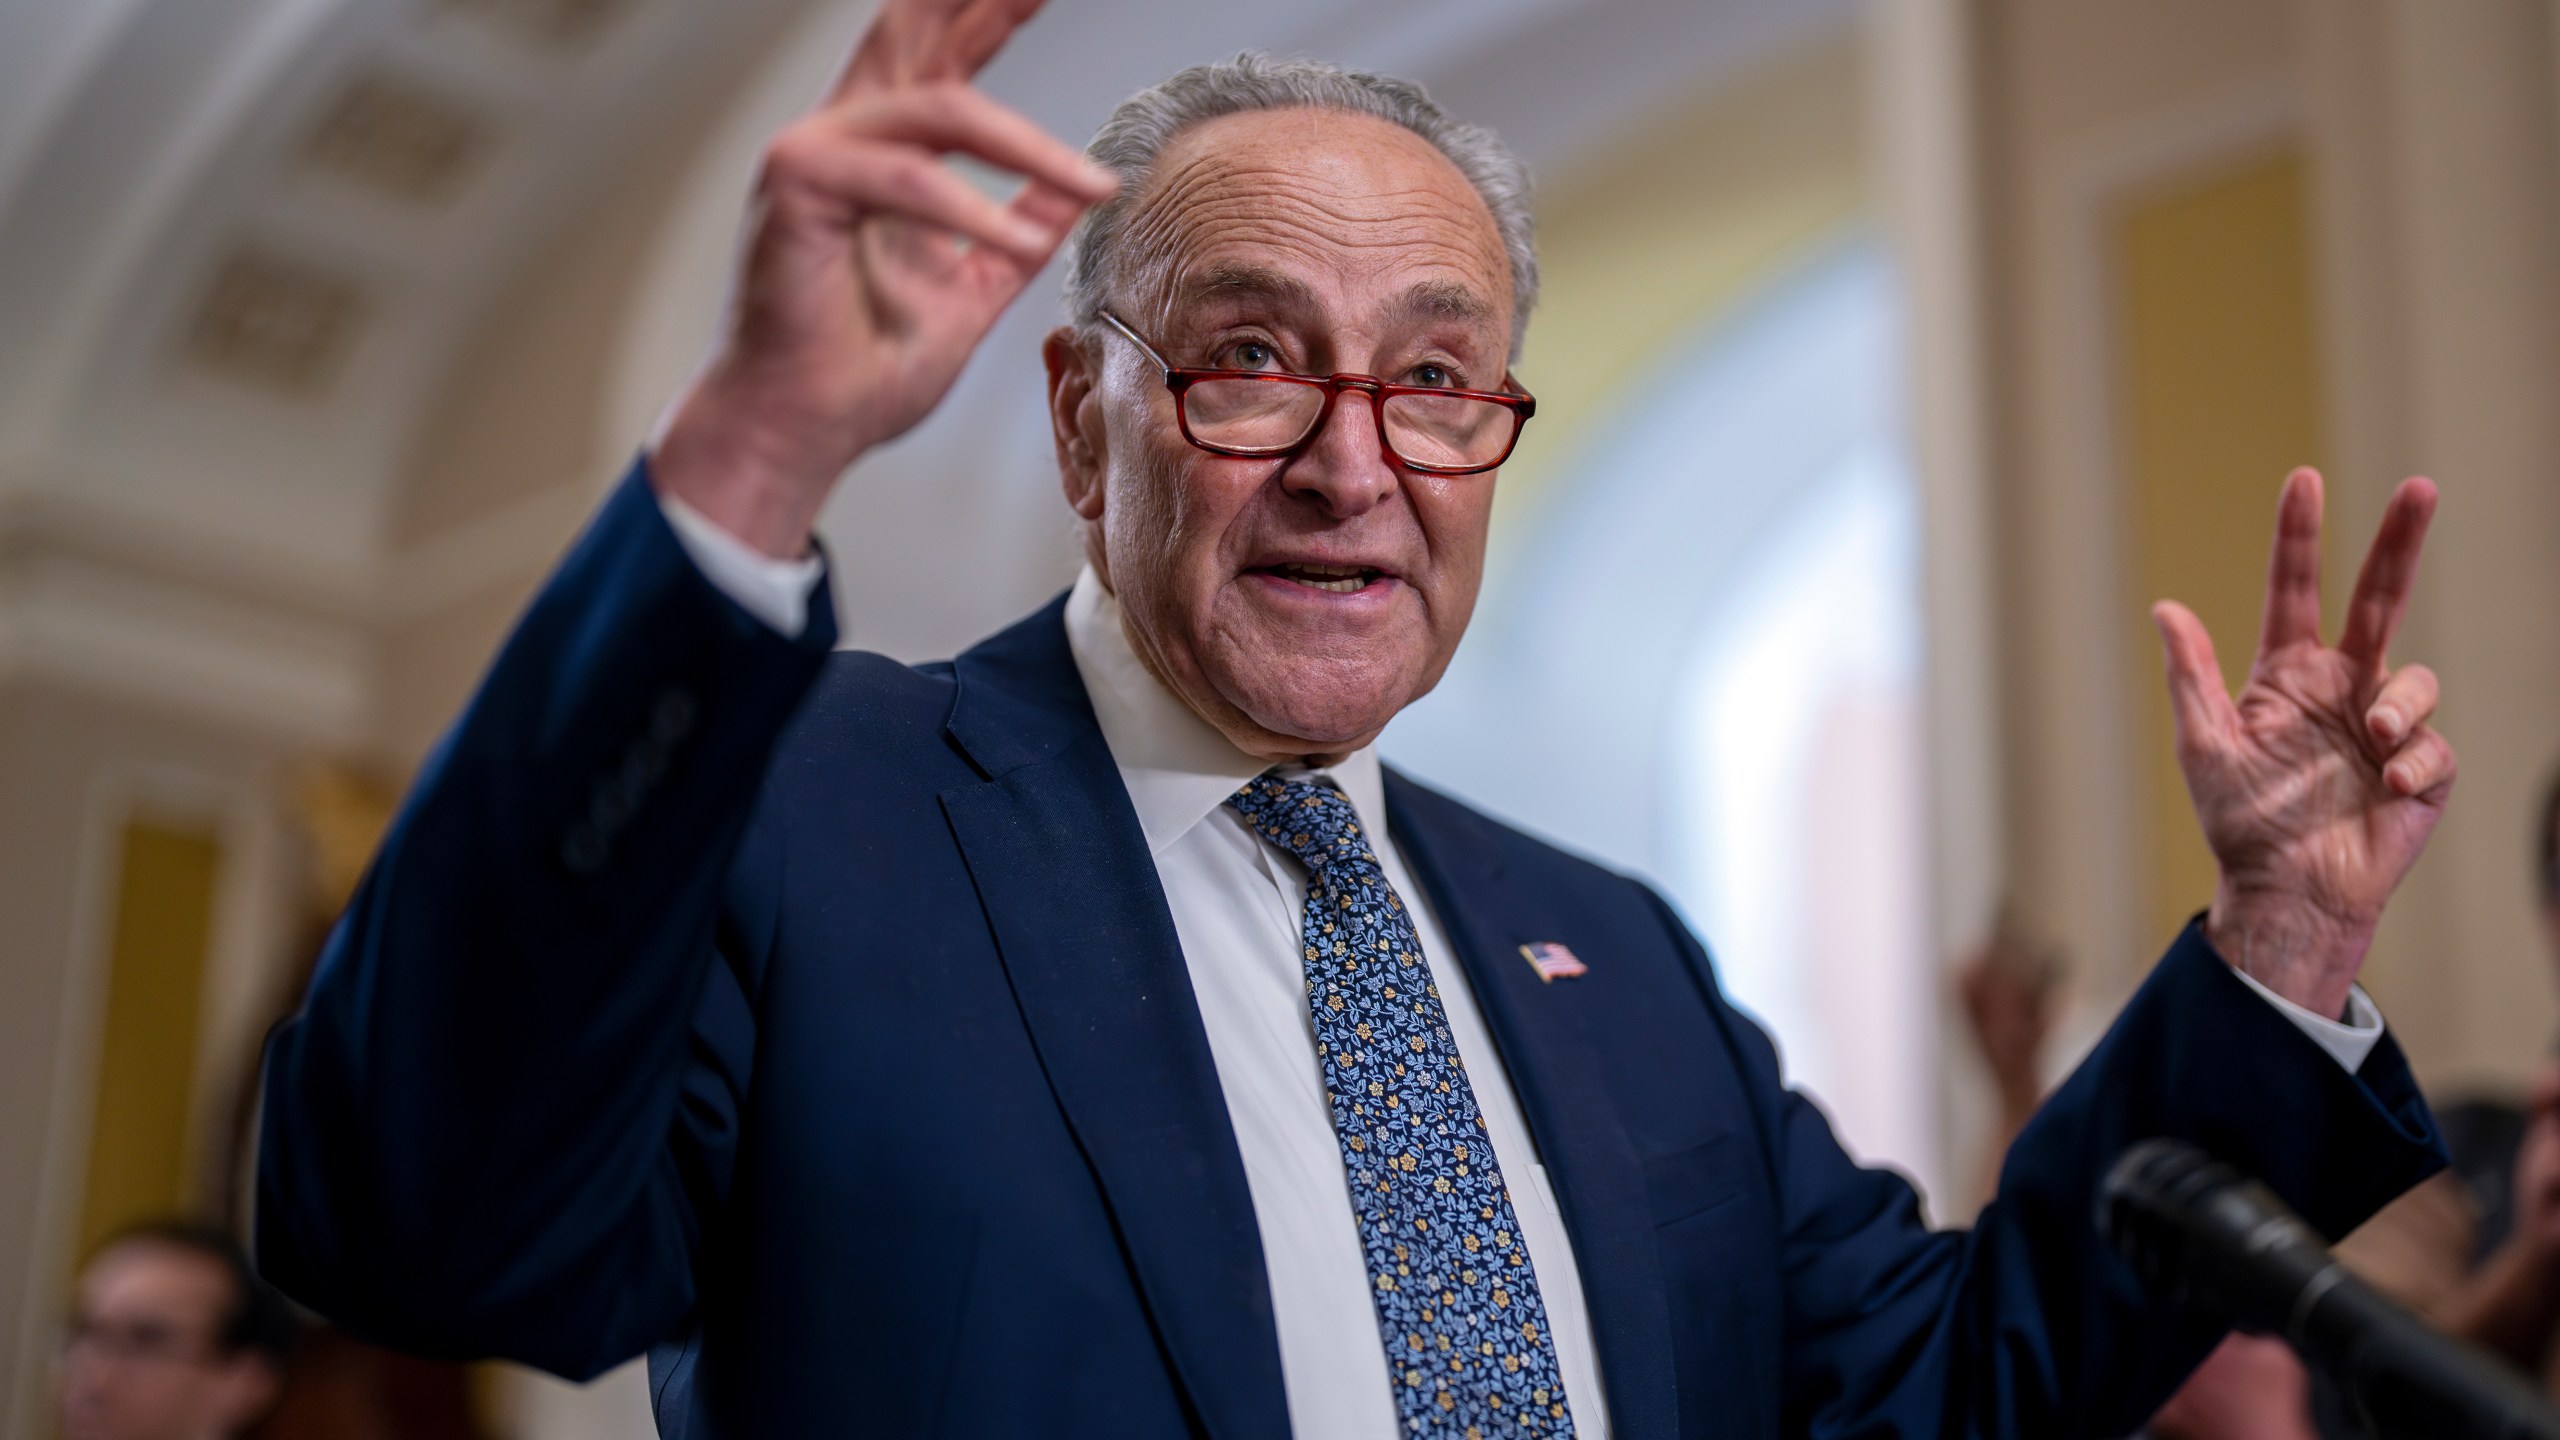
[1236,903]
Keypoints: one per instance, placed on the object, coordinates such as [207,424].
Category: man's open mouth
[1339,579]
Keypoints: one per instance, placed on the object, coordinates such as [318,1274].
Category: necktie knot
[1314,822]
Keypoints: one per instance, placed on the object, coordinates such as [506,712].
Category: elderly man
[1085,1037]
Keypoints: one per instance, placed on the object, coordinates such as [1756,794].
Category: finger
[2407,700]
[2197,699]
[978,31]
[923,40]
[2293,570]
[953,117]
[1043,205]
[1002,274]
[903,180]
[2423,766]
[2382,587]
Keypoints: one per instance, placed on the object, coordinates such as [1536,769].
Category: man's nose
[1344,467]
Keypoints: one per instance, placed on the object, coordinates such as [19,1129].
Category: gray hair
[1146,122]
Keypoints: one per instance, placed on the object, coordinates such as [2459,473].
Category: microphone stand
[2198,1231]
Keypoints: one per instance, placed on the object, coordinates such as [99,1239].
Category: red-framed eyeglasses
[1269,414]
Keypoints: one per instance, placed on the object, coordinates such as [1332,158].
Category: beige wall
[1643,245]
[500,478]
[77,770]
[510,462]
[2431,261]
[2439,149]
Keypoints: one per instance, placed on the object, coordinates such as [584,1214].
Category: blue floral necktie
[1458,1307]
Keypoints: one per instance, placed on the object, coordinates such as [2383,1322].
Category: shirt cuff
[2348,1041]
[774,591]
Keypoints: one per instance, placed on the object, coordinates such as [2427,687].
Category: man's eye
[1250,355]
[1436,377]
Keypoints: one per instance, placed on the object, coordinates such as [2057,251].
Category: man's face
[1314,242]
[144,1360]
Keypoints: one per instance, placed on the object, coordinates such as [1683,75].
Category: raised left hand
[2320,783]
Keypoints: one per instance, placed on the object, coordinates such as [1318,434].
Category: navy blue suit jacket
[817,1024]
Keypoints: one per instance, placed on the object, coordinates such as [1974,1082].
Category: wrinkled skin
[2320,782]
[1316,242]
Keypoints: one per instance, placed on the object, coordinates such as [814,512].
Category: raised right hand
[870,272]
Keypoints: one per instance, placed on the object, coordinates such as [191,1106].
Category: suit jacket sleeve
[499,1119]
[2027,1325]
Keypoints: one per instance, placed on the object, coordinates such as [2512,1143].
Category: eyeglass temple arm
[1116,323]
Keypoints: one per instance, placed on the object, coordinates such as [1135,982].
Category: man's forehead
[1282,205]
[146,1272]
[1437,297]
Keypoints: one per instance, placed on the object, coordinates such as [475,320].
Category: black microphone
[2198,1231]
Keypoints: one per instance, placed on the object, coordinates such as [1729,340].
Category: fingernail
[1030,236]
[1101,177]
[2386,723]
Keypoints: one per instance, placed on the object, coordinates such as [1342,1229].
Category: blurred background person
[171,1338]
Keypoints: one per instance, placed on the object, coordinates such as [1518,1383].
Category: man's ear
[1075,420]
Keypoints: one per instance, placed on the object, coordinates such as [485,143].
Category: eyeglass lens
[1442,430]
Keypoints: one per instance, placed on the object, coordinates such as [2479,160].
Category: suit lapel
[1562,1089]
[1080,919]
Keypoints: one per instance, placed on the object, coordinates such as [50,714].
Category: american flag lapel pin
[1552,961]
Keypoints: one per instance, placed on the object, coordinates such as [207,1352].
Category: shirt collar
[1177,767]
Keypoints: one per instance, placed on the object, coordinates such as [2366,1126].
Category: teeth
[1336,579]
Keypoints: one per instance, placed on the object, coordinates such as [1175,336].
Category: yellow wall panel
[2220,397]
[138,1143]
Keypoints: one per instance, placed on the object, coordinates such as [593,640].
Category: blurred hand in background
[2011,988]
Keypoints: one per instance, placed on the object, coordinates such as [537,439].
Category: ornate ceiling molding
[117,603]
[240,265]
